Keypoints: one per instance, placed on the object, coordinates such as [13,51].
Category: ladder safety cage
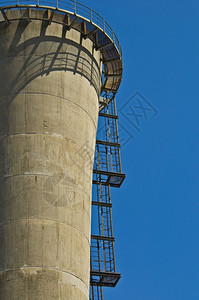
[107,173]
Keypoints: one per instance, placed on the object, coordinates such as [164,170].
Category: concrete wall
[49,86]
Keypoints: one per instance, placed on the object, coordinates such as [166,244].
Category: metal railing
[73,7]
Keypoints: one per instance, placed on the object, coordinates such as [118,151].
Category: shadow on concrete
[41,55]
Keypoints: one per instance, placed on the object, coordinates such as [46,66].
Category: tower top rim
[82,18]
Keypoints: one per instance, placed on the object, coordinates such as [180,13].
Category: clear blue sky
[156,211]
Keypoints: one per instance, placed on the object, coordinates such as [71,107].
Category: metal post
[75,8]
[91,15]
[113,37]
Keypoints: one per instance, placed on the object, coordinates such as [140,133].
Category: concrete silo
[52,56]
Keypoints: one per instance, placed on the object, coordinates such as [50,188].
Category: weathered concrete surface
[49,86]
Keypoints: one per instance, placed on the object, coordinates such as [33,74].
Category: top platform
[75,15]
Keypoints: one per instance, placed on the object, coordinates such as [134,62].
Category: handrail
[75,8]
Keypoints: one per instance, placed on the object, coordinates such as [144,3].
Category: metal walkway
[73,14]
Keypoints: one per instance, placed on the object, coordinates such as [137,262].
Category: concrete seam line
[45,220]
[45,268]
[65,99]
[47,134]
[59,97]
[37,174]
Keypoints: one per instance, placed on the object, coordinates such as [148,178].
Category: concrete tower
[50,82]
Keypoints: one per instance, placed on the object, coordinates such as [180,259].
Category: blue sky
[156,211]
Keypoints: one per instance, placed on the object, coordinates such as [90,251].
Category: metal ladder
[107,173]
